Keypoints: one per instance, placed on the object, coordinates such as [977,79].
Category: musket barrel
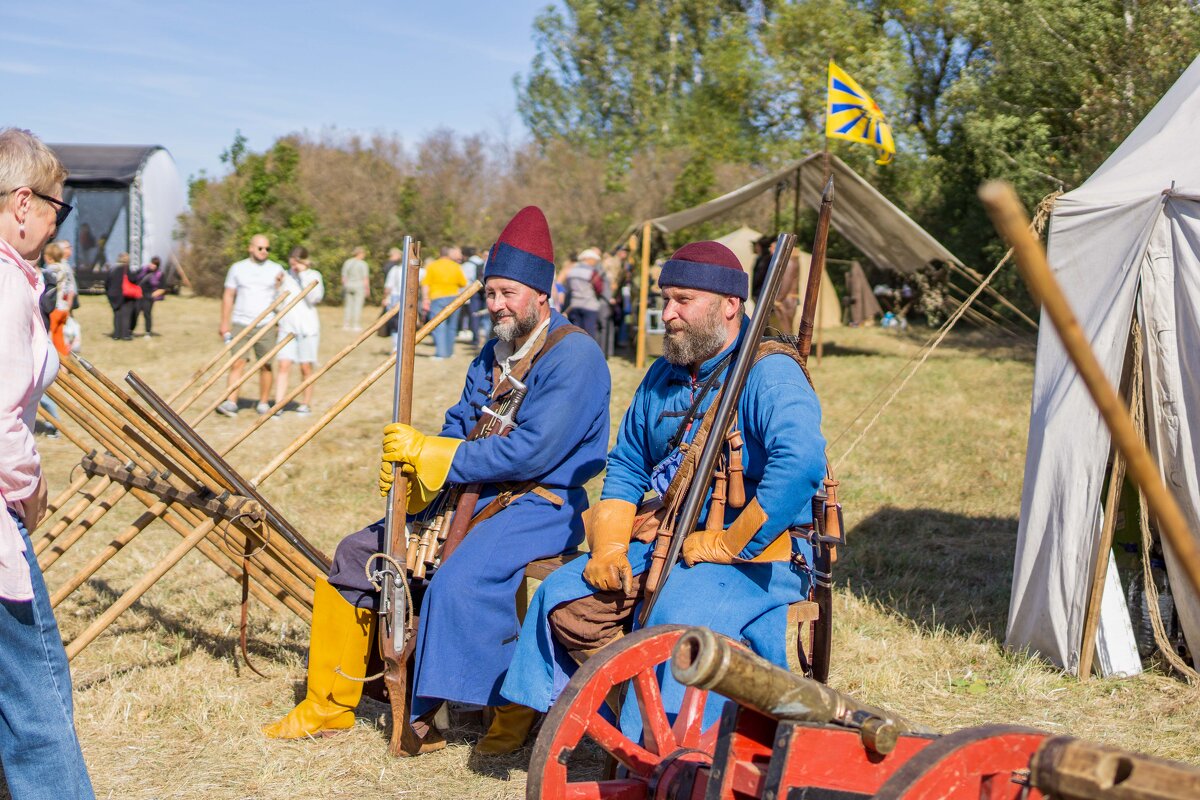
[706,660]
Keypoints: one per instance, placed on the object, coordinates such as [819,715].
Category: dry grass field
[931,498]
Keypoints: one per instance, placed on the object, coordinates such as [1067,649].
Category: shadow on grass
[941,570]
[192,638]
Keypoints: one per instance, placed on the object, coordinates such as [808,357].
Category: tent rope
[1138,410]
[1038,225]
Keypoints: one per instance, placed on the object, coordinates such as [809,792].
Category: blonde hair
[26,161]
[53,253]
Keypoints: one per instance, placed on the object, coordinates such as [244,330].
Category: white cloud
[18,68]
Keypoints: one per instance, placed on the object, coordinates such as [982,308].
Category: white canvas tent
[1125,243]
[742,242]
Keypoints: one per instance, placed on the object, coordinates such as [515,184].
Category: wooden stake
[1009,217]
[1091,617]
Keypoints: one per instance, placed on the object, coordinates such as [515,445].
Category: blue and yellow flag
[851,114]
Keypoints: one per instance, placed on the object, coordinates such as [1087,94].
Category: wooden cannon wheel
[967,765]
[670,754]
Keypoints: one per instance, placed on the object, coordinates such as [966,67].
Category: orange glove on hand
[426,459]
[723,546]
[608,526]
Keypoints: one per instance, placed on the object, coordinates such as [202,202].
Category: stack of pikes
[136,443]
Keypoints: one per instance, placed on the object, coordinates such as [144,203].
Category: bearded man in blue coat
[739,574]
[468,622]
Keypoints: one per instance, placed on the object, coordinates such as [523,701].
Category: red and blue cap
[708,266]
[524,251]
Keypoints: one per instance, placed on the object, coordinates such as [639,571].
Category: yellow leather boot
[340,641]
[508,731]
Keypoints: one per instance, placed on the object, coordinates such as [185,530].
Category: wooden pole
[466,295]
[64,496]
[1009,217]
[1091,617]
[643,298]
[236,341]
[52,548]
[240,354]
[247,374]
[366,383]
[88,495]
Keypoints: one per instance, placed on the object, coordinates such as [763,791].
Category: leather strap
[511,495]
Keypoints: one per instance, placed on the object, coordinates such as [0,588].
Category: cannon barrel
[706,660]
[1070,769]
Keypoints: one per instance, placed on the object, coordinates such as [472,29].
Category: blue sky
[187,75]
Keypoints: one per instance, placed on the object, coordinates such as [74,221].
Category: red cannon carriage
[786,737]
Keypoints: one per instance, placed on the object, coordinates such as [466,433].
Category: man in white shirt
[250,286]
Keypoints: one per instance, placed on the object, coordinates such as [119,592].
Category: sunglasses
[61,210]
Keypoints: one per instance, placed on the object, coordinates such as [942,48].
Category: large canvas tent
[1125,244]
[128,198]
[861,214]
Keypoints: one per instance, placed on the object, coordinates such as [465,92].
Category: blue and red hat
[708,266]
[524,252]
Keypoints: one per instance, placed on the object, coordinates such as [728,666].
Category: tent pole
[778,218]
[1091,617]
[796,207]
[643,296]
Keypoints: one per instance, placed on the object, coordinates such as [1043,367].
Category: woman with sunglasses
[38,746]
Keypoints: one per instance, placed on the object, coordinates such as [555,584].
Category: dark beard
[695,344]
[515,327]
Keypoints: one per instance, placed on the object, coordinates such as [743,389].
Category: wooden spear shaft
[236,341]
[247,374]
[240,354]
[1010,220]
[384,368]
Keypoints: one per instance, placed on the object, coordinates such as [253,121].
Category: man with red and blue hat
[468,621]
[740,573]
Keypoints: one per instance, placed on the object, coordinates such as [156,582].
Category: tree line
[639,108]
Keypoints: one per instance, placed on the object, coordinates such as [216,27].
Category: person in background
[356,287]
[250,286]
[303,323]
[55,305]
[442,282]
[391,291]
[39,749]
[122,301]
[150,280]
[481,320]
[472,268]
[584,293]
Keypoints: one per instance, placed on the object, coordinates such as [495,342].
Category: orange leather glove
[723,546]
[425,459]
[608,526]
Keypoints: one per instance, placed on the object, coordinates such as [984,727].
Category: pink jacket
[25,363]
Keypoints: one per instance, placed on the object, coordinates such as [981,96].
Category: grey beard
[693,346]
[515,327]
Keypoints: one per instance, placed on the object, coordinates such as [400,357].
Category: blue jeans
[443,335]
[38,746]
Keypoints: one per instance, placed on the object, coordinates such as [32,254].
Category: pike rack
[140,445]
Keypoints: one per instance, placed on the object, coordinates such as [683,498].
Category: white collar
[508,360]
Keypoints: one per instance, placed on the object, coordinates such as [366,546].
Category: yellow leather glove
[722,546]
[608,526]
[426,459]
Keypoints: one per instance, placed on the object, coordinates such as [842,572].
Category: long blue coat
[784,462]
[469,626]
